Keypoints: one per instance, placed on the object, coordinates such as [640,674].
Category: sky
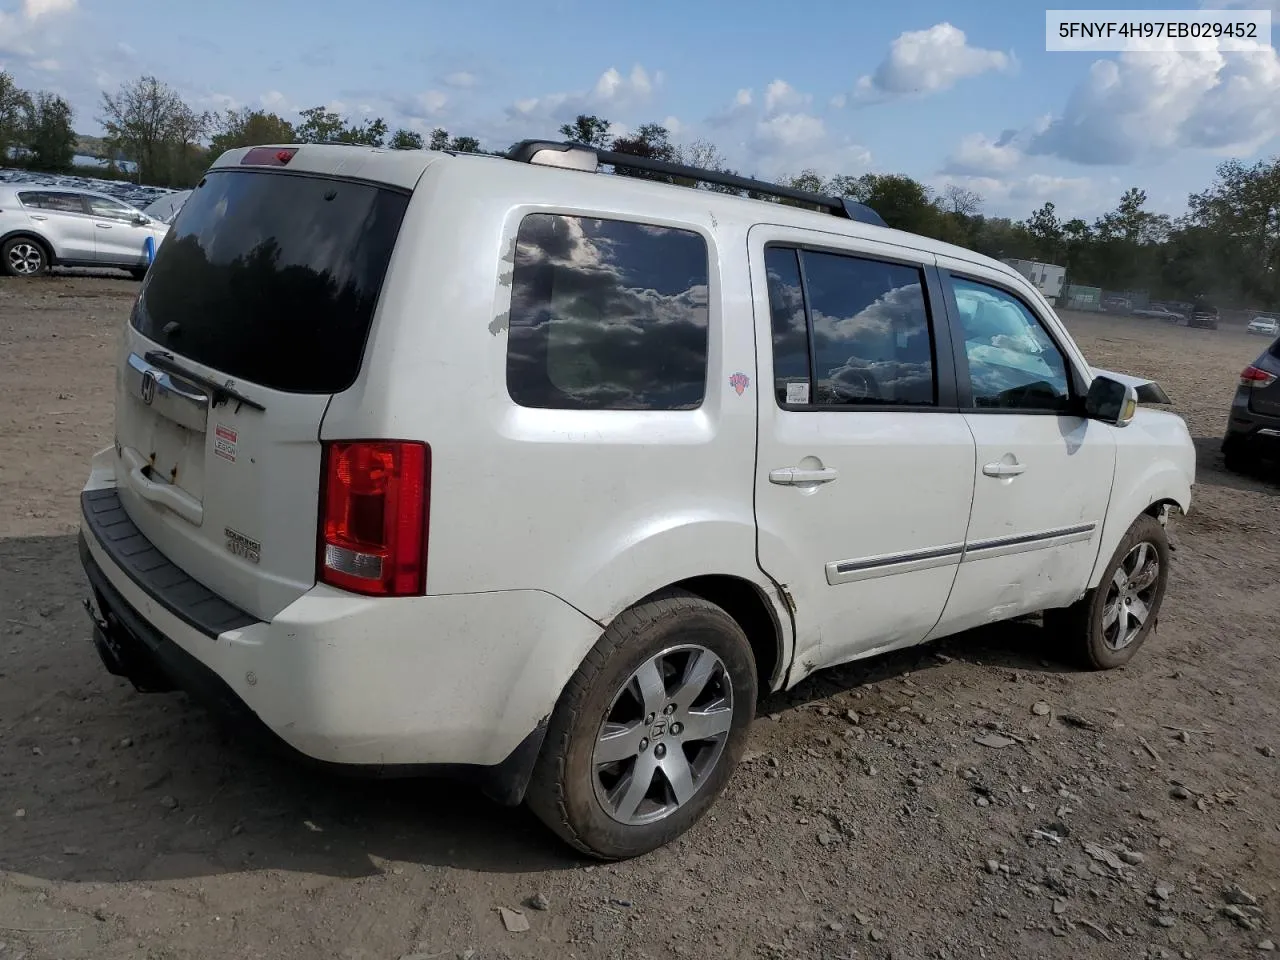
[951,92]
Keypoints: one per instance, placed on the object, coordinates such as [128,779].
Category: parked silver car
[41,227]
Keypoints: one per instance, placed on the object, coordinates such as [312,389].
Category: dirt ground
[1137,815]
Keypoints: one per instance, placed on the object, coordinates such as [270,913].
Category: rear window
[273,278]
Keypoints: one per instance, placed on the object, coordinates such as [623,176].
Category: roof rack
[576,156]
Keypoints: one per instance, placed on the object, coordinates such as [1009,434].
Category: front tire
[23,257]
[1104,628]
[649,730]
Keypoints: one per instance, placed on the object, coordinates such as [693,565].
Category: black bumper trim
[130,639]
[187,599]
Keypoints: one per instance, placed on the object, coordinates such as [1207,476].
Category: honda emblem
[148,387]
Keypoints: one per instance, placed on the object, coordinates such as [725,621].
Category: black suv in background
[1203,315]
[1253,426]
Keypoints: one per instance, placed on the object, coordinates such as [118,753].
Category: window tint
[101,207]
[273,277]
[61,202]
[607,315]
[1013,364]
[870,329]
[791,373]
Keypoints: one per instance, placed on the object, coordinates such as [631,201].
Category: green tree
[1045,230]
[464,145]
[249,128]
[405,140]
[50,137]
[14,104]
[150,123]
[587,129]
[653,142]
[320,125]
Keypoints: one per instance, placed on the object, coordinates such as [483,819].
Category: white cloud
[47,66]
[461,79]
[780,95]
[979,155]
[1017,197]
[429,103]
[788,130]
[929,61]
[611,91]
[1151,103]
[35,9]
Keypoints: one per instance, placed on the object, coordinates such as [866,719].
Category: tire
[1236,459]
[23,257]
[589,800]
[1081,628]
[138,273]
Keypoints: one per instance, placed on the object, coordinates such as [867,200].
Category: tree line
[1225,248]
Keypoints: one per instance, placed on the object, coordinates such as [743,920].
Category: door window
[102,207]
[1013,363]
[848,331]
[57,202]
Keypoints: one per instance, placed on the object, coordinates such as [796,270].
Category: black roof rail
[577,156]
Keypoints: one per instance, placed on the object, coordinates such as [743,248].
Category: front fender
[1156,465]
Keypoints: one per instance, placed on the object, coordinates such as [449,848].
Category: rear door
[63,218]
[255,311]
[865,469]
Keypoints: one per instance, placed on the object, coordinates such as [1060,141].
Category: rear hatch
[1266,399]
[255,312]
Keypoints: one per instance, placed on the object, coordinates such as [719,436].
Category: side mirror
[142,220]
[1110,401]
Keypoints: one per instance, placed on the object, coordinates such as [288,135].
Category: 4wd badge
[243,546]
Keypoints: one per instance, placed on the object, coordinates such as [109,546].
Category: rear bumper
[459,686]
[1248,428]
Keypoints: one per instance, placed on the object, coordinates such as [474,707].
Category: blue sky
[955,92]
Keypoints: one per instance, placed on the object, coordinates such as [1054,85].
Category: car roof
[404,168]
[50,188]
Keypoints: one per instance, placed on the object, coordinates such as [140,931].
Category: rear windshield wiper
[218,393]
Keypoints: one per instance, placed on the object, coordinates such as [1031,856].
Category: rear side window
[848,331]
[273,278]
[607,315]
[59,202]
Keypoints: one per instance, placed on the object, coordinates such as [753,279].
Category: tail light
[1253,377]
[375,506]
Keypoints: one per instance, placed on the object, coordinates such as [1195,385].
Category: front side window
[1013,363]
[607,315]
[848,331]
[111,209]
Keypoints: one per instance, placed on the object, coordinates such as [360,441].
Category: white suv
[509,470]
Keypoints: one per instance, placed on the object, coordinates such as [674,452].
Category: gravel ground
[1130,814]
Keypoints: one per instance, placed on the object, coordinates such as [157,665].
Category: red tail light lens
[373,517]
[1251,376]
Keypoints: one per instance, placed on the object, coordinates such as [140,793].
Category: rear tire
[649,730]
[23,257]
[1104,628]
[1236,459]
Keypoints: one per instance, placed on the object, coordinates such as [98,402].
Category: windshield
[273,278]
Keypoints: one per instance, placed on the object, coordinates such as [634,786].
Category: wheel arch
[1161,488]
[747,603]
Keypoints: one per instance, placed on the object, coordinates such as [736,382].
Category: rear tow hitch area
[122,654]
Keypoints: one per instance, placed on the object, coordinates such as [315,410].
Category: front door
[864,474]
[121,238]
[1043,472]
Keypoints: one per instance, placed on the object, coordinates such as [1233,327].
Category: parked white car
[43,227]
[510,469]
[1160,313]
[1264,325]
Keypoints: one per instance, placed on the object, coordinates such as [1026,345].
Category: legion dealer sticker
[224,443]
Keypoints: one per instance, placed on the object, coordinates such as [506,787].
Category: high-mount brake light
[1252,376]
[267,157]
[374,511]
